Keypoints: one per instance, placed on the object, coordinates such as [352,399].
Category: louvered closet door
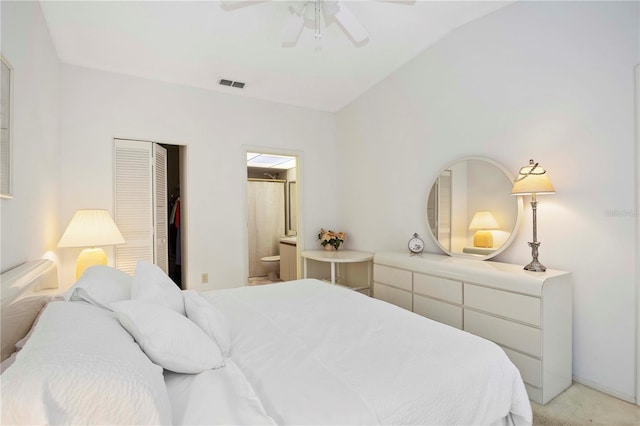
[161,214]
[134,202]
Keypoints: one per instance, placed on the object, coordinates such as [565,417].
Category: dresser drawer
[530,368]
[393,277]
[392,295]
[440,288]
[504,332]
[438,311]
[502,303]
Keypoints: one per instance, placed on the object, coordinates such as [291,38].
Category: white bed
[25,290]
[301,352]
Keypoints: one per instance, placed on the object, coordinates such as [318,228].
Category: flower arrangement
[331,240]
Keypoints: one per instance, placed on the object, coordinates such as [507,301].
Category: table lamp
[90,228]
[532,179]
[482,222]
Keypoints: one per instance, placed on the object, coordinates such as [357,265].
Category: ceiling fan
[310,14]
[304,13]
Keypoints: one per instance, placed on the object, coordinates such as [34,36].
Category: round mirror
[470,209]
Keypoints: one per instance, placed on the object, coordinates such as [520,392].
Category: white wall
[551,81]
[96,106]
[30,228]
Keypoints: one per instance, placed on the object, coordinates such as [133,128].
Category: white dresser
[529,314]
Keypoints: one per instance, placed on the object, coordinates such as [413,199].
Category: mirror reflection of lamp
[91,228]
[533,179]
[483,222]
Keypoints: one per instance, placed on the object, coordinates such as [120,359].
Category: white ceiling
[198,43]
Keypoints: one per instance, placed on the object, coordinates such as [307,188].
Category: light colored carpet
[581,405]
[261,280]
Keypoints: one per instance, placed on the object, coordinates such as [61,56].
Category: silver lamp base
[535,265]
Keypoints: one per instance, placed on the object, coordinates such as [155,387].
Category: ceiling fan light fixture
[330,7]
[308,13]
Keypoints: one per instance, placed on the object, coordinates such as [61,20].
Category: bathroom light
[532,179]
[270,161]
[91,228]
[483,221]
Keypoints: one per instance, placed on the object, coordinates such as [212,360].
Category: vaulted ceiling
[198,43]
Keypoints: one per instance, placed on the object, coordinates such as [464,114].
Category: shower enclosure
[266,221]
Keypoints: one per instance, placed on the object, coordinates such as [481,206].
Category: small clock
[416,245]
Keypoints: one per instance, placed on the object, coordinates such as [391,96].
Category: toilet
[272,265]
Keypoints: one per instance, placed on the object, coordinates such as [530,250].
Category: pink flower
[331,238]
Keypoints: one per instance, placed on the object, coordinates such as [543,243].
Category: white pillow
[81,367]
[168,338]
[151,284]
[101,286]
[208,318]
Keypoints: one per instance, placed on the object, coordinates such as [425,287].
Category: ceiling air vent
[230,83]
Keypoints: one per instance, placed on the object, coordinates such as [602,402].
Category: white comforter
[319,354]
[214,397]
[80,367]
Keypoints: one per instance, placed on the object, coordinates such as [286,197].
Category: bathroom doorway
[272,217]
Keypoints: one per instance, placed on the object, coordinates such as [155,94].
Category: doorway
[272,217]
[174,216]
[149,207]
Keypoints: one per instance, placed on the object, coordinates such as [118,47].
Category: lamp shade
[483,220]
[91,228]
[532,179]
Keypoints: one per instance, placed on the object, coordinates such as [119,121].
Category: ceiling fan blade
[297,7]
[351,25]
[292,30]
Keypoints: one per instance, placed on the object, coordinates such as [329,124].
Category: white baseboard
[604,389]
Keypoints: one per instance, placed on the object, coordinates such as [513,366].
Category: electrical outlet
[204,278]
